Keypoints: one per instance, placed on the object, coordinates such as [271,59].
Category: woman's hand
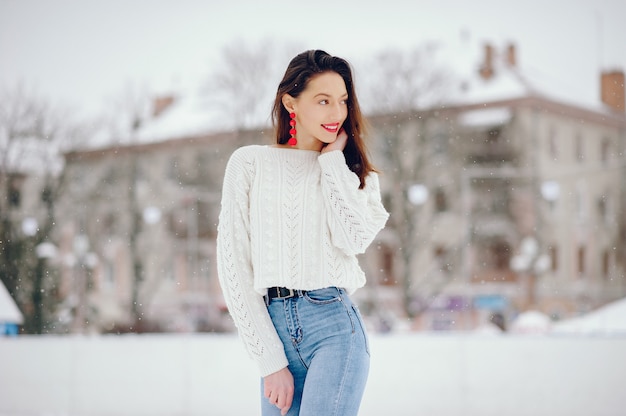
[278,389]
[338,144]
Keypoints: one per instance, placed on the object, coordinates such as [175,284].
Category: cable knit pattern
[292,218]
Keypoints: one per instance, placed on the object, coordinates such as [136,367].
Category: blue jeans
[328,352]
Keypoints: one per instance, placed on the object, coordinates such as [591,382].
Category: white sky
[85,53]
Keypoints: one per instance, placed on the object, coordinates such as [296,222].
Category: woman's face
[321,110]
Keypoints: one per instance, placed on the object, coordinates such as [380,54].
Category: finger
[283,409]
[284,404]
[280,401]
[266,389]
[288,402]
[272,396]
[342,139]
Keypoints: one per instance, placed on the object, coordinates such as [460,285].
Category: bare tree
[126,112]
[132,108]
[400,81]
[244,82]
[398,87]
[32,136]
[405,159]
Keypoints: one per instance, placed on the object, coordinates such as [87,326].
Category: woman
[294,216]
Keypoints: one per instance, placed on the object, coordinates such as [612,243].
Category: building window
[493,136]
[606,263]
[552,146]
[111,176]
[440,144]
[580,153]
[108,269]
[174,169]
[15,197]
[139,172]
[579,203]
[501,252]
[387,266]
[603,209]
[554,258]
[47,194]
[441,255]
[581,261]
[500,198]
[108,224]
[441,202]
[605,150]
[169,270]
[15,192]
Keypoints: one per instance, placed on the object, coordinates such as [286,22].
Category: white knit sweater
[291,218]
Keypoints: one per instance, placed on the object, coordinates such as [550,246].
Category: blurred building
[505,199]
[514,199]
[149,212]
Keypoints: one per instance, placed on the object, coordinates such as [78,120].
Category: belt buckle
[291,294]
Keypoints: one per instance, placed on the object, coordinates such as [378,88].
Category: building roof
[509,78]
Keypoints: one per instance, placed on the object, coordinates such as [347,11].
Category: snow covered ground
[435,374]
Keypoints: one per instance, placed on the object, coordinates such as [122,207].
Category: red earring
[292,140]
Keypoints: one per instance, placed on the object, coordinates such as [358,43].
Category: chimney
[486,69]
[160,104]
[612,89]
[511,59]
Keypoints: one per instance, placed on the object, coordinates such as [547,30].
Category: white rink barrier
[411,374]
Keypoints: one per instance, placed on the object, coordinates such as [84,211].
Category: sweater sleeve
[355,215]
[235,271]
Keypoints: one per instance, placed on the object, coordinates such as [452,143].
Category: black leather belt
[274,293]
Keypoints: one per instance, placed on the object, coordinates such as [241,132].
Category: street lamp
[151,215]
[46,250]
[30,226]
[550,190]
[530,263]
[418,194]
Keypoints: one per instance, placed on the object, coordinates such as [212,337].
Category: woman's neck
[314,145]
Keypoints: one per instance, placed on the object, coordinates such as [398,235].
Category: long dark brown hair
[299,73]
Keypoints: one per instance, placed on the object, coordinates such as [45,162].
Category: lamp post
[85,261]
[417,195]
[45,251]
[530,263]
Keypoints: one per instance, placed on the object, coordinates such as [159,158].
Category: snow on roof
[188,115]
[9,312]
[503,87]
[514,80]
[485,117]
[194,114]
